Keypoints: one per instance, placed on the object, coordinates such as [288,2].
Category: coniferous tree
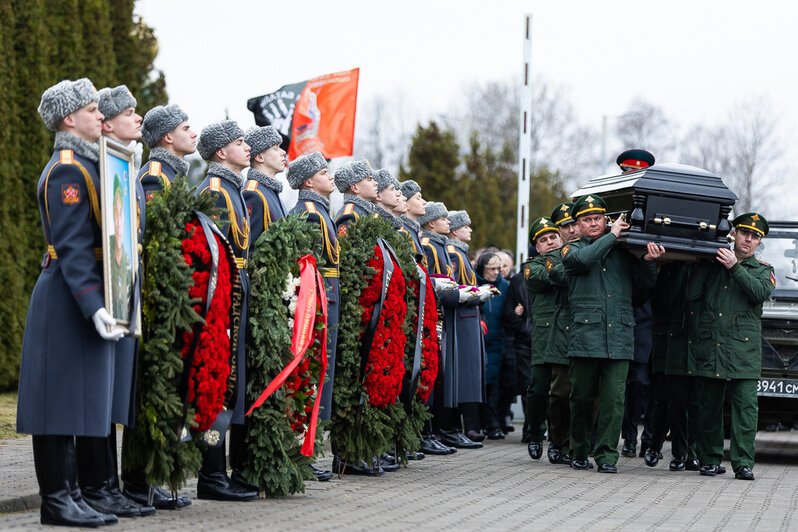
[67,51]
[99,62]
[432,162]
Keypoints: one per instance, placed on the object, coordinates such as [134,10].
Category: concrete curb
[24,503]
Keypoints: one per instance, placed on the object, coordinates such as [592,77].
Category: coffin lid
[668,178]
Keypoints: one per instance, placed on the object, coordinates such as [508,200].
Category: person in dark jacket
[262,191]
[488,270]
[516,318]
[166,132]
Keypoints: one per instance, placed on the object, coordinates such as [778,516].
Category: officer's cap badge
[589,198]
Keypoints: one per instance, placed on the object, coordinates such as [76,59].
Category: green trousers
[684,415]
[605,379]
[548,393]
[744,413]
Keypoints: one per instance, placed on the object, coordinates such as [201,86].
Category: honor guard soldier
[67,367]
[434,228]
[356,182]
[222,145]
[166,132]
[602,278]
[416,207]
[97,457]
[388,197]
[471,357]
[726,344]
[262,190]
[549,388]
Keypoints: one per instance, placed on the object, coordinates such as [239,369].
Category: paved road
[497,487]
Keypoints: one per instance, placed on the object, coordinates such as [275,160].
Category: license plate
[777,388]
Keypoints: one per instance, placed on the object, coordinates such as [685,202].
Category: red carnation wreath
[385,368]
[210,366]
[429,343]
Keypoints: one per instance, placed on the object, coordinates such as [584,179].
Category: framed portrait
[120,232]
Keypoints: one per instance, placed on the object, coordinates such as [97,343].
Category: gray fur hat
[435,210]
[304,167]
[159,121]
[345,178]
[385,179]
[409,188]
[458,219]
[261,139]
[63,98]
[113,101]
[216,136]
[362,169]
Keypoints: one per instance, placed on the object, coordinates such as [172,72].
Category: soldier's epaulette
[311,207]
[349,208]
[425,241]
[763,262]
[155,168]
[215,184]
[252,185]
[450,248]
[65,157]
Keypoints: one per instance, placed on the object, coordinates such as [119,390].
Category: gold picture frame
[120,217]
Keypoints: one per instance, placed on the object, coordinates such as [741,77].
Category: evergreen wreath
[277,428]
[172,304]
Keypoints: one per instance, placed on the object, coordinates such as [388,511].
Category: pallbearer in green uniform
[544,236]
[601,280]
[727,344]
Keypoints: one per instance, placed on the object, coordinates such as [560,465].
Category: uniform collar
[360,202]
[394,221]
[225,173]
[180,166]
[309,195]
[435,237]
[268,182]
[411,224]
[67,141]
[462,246]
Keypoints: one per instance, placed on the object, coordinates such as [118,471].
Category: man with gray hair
[356,181]
[67,367]
[222,145]
[166,132]
[262,190]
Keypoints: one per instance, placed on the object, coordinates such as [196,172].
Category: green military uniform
[601,279]
[726,343]
[543,300]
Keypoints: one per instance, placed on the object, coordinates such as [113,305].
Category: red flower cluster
[429,343]
[385,369]
[210,365]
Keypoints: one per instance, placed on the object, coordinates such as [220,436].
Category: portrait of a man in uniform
[119,242]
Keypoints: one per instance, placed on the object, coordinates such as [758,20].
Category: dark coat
[491,311]
[671,319]
[318,214]
[602,281]
[544,302]
[439,263]
[264,207]
[349,213]
[155,175]
[471,356]
[228,196]
[67,369]
[726,341]
[560,337]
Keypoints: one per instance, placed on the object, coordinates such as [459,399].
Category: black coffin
[682,207]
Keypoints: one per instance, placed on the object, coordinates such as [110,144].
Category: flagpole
[524,148]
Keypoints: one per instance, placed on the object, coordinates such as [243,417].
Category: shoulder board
[311,207]
[252,185]
[450,248]
[349,208]
[66,157]
[425,241]
[763,262]
[155,168]
[215,184]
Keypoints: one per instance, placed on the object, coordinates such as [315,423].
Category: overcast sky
[693,59]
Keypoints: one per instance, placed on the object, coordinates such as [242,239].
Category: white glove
[467,294]
[444,284]
[485,293]
[103,320]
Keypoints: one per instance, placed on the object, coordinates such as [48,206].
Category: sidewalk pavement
[498,487]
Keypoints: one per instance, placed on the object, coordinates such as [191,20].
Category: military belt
[98,253]
[329,272]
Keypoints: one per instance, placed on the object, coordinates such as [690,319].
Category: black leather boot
[213,482]
[92,466]
[137,489]
[113,479]
[51,459]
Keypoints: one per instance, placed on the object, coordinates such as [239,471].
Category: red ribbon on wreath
[311,293]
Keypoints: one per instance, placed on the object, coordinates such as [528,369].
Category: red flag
[324,116]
